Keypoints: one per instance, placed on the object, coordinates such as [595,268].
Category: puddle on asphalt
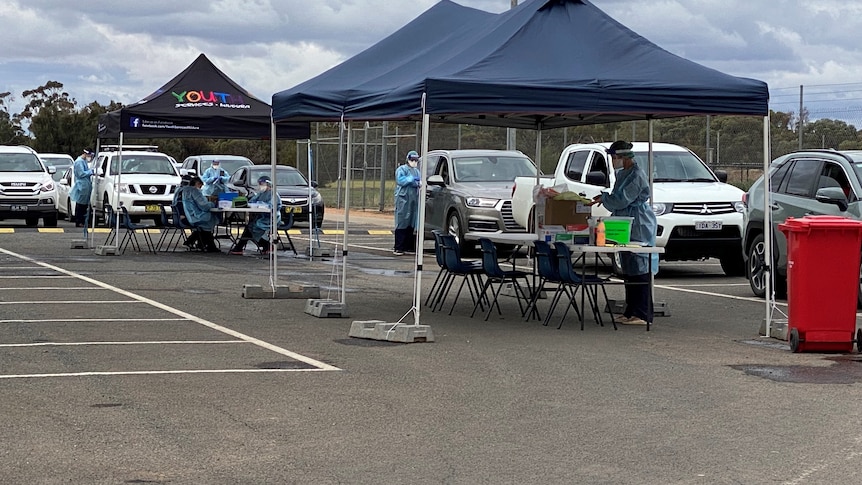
[846,370]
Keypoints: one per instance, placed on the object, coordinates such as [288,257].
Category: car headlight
[124,188]
[481,202]
[660,208]
[316,198]
[47,186]
[739,206]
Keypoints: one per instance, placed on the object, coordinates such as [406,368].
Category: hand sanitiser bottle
[600,233]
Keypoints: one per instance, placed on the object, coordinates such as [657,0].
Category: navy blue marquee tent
[543,64]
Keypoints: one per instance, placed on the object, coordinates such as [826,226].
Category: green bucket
[618,230]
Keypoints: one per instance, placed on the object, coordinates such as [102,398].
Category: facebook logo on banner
[135,122]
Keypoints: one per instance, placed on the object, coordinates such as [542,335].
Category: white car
[27,190]
[60,161]
[142,183]
[699,215]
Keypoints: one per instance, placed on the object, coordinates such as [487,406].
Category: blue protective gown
[260,226]
[197,209]
[214,180]
[630,198]
[80,193]
[406,196]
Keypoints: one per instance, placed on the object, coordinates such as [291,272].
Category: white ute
[699,215]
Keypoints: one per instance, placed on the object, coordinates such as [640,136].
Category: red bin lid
[808,223]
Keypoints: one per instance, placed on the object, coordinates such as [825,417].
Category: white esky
[126,49]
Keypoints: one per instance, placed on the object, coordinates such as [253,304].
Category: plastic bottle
[600,233]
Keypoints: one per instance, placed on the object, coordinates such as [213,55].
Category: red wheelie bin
[822,282]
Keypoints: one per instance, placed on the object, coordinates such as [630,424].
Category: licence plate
[19,207]
[707,225]
[152,208]
[295,210]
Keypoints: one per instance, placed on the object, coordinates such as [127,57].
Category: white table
[596,250]
[227,223]
[527,238]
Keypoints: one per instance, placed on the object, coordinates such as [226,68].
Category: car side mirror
[314,184]
[52,169]
[63,182]
[436,180]
[597,177]
[832,195]
[721,175]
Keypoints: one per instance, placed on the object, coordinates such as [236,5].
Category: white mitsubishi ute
[699,214]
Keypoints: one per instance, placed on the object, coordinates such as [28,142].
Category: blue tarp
[544,64]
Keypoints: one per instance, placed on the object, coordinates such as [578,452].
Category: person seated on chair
[193,240]
[197,209]
[258,227]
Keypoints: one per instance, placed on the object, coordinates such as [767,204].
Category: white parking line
[710,293]
[37,276]
[150,342]
[260,343]
[68,302]
[28,288]
[157,372]
[64,320]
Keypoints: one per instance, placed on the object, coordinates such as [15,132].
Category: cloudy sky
[124,50]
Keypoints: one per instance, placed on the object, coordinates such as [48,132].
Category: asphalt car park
[159,371]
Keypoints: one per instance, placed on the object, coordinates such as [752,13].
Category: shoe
[398,253]
[79,225]
[409,252]
[634,321]
[621,319]
[235,252]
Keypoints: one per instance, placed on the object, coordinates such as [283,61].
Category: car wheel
[756,269]
[455,228]
[31,221]
[50,221]
[733,264]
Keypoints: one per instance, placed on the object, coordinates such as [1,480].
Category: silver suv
[27,190]
[471,191]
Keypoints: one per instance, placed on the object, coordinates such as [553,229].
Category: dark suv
[809,182]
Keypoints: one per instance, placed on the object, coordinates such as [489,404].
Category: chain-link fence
[730,143]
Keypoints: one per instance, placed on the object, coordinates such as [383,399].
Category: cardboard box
[563,213]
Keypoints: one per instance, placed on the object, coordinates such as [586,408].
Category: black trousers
[82,212]
[638,297]
[405,240]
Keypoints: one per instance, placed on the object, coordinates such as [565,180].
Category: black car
[808,182]
[292,186]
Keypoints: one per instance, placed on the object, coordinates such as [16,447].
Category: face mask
[413,163]
[263,187]
[617,162]
[215,166]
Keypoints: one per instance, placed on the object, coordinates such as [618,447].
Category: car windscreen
[283,178]
[492,168]
[675,167]
[230,165]
[149,164]
[20,162]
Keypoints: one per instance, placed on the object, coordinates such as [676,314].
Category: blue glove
[417,178]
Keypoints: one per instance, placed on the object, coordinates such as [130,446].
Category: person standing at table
[630,198]
[197,209]
[258,227]
[214,179]
[80,193]
[407,182]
